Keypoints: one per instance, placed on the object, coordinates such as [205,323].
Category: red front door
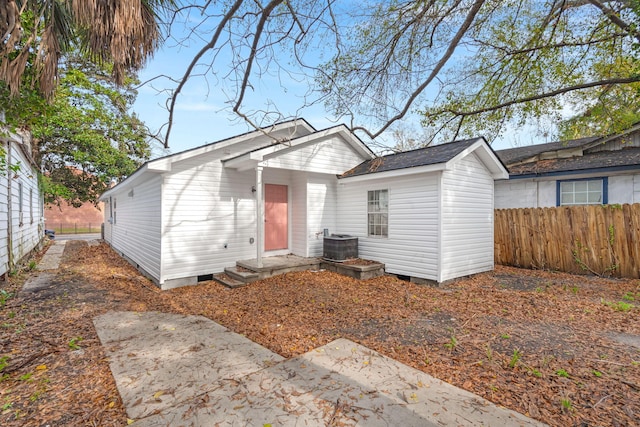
[276,213]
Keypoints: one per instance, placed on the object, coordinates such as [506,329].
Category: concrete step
[280,265]
[242,274]
[228,281]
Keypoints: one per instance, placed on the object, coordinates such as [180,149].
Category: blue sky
[202,114]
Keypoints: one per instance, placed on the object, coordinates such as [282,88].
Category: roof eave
[128,182]
[393,173]
[164,164]
[252,159]
[608,169]
[491,161]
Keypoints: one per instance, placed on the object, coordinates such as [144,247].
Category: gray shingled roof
[627,158]
[515,155]
[409,159]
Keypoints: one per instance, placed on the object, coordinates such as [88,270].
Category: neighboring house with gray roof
[426,214]
[594,170]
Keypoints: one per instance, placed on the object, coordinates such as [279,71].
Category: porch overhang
[261,156]
[245,161]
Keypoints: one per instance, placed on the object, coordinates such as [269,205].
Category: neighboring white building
[21,212]
[274,191]
[585,171]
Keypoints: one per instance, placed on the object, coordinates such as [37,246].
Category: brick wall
[67,216]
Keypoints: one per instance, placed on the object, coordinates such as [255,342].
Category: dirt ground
[560,348]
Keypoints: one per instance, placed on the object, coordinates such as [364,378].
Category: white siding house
[435,207]
[586,171]
[21,211]
[187,216]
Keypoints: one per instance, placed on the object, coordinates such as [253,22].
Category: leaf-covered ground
[563,349]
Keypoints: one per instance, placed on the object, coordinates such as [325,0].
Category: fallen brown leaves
[557,347]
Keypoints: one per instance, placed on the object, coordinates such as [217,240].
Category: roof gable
[434,157]
[631,132]
[257,156]
[269,140]
[278,132]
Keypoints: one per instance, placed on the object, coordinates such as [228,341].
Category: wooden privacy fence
[601,239]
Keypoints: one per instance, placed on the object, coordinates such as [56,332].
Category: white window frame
[378,213]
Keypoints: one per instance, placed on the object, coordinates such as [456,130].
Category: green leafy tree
[470,67]
[84,137]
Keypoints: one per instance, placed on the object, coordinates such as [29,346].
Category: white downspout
[9,207]
[259,216]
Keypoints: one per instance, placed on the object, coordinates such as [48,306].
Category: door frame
[287,249]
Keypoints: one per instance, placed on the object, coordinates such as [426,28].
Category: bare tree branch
[561,91]
[214,40]
[254,48]
[434,73]
[613,17]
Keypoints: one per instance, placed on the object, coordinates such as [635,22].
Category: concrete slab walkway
[49,262]
[51,259]
[174,370]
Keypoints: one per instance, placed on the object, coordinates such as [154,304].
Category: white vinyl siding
[135,230]
[208,206]
[527,193]
[332,156]
[467,219]
[321,208]
[209,219]
[411,248]
[4,220]
[14,185]
[20,204]
[299,214]
[4,215]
